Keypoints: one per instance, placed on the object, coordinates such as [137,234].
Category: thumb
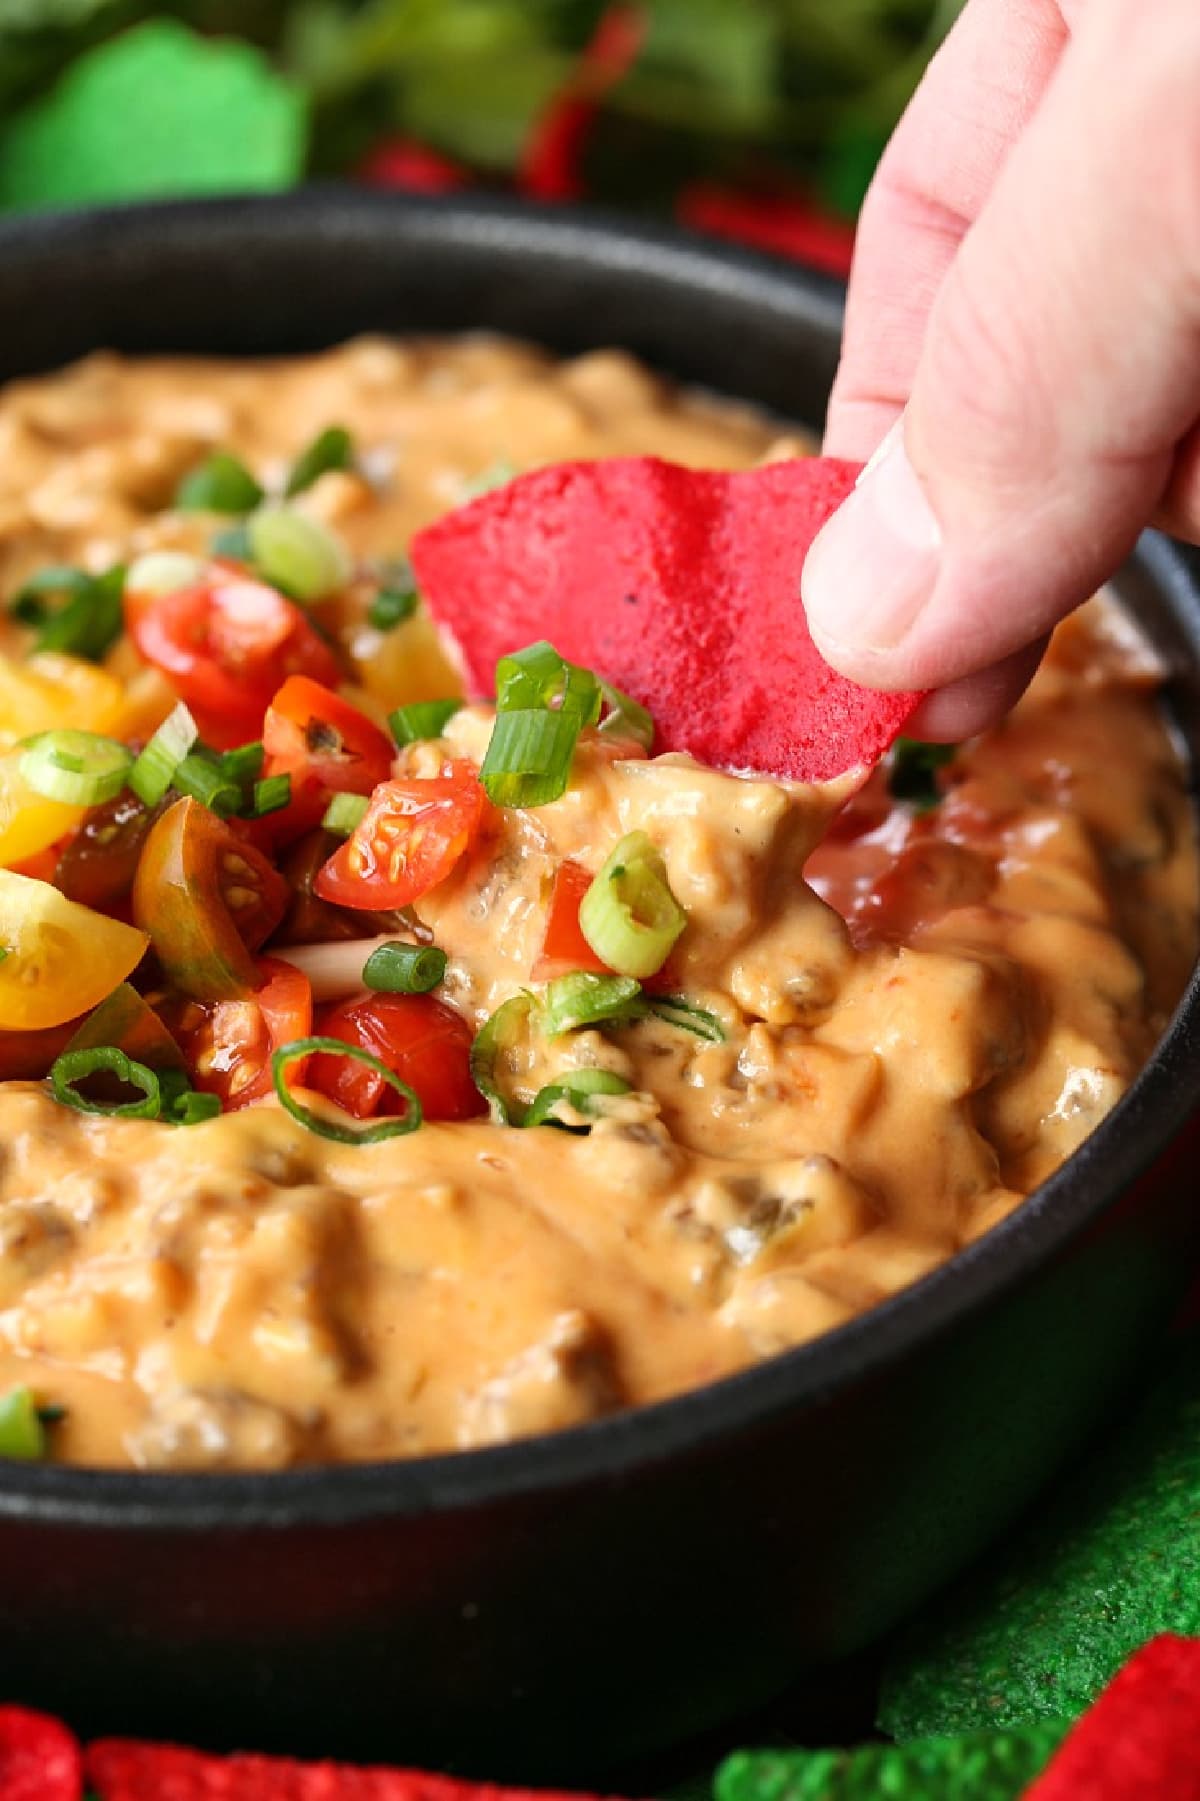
[1059,374]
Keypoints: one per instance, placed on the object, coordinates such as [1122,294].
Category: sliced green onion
[496,1035]
[345,813]
[330,449]
[22,1428]
[674,1010]
[579,1091]
[163,572]
[202,776]
[81,768]
[391,607]
[629,915]
[528,758]
[422,719]
[90,617]
[77,1066]
[232,542]
[912,767]
[181,1104]
[538,677]
[498,474]
[408,1121]
[297,553]
[243,764]
[154,770]
[271,795]
[584,999]
[404,968]
[220,484]
[626,718]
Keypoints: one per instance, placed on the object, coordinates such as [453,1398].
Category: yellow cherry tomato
[60,959]
[52,691]
[404,664]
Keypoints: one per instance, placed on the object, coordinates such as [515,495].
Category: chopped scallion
[220,484]
[154,770]
[912,767]
[81,769]
[181,1104]
[203,777]
[626,717]
[584,999]
[629,915]
[76,1066]
[89,617]
[404,968]
[528,758]
[232,542]
[244,764]
[163,572]
[330,449]
[391,607]
[325,1127]
[538,677]
[344,814]
[497,1035]
[580,1091]
[675,1010]
[296,553]
[422,719]
[271,795]
[498,474]
[22,1428]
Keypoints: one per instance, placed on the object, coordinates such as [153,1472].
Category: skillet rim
[1096,1177]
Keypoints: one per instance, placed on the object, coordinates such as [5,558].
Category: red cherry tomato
[226,646]
[412,835]
[326,746]
[564,948]
[420,1039]
[228,1044]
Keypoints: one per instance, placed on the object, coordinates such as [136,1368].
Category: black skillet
[548,1609]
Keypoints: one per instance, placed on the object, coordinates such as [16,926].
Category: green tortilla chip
[987,1766]
[1111,1560]
[155,111]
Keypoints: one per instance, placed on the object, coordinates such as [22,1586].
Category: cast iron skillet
[546,1609]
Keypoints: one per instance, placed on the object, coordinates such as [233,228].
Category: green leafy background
[111,99]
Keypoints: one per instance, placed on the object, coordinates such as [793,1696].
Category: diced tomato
[207,901]
[420,1039]
[226,646]
[564,948]
[228,1044]
[411,837]
[326,746]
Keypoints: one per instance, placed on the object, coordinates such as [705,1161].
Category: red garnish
[226,646]
[681,587]
[326,746]
[787,223]
[1141,1740]
[39,1759]
[412,835]
[564,948]
[551,160]
[406,163]
[420,1039]
[124,1770]
[227,1044]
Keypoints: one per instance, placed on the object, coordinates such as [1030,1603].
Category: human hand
[1022,348]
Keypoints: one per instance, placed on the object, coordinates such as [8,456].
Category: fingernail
[873,566]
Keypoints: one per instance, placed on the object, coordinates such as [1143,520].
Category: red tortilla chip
[39,1758]
[1141,1740]
[552,158]
[680,586]
[127,1770]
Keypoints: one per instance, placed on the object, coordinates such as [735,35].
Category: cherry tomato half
[326,746]
[226,646]
[421,1040]
[228,1044]
[564,948]
[412,835]
[98,864]
[207,900]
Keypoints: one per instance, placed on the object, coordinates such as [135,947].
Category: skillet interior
[437,1608]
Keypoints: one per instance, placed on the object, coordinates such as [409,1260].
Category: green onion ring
[327,1128]
[495,1035]
[154,770]
[81,768]
[422,719]
[629,915]
[585,999]
[76,1066]
[344,814]
[404,968]
[22,1428]
[579,1089]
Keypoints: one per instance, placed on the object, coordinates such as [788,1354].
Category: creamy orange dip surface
[924,1012]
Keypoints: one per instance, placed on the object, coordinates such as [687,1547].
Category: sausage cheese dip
[357,1106]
